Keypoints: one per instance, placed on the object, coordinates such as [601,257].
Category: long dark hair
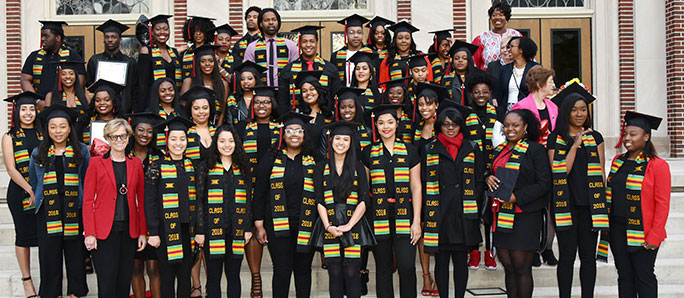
[322,101]
[192,25]
[274,109]
[116,105]
[372,81]
[239,157]
[197,80]
[563,121]
[150,147]
[78,90]
[238,80]
[358,117]
[154,96]
[343,184]
[392,50]
[307,147]
[44,147]
[16,122]
[471,63]
[371,36]
[407,105]
[531,121]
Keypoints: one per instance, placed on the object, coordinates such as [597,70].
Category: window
[299,5]
[545,3]
[93,7]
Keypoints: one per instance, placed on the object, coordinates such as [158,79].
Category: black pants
[286,260]
[217,265]
[634,265]
[460,260]
[579,237]
[53,252]
[344,277]
[383,253]
[113,263]
[177,272]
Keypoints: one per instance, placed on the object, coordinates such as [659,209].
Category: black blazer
[501,91]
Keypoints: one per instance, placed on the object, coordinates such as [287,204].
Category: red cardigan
[99,200]
[655,200]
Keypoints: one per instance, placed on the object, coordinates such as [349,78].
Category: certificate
[97,130]
[112,71]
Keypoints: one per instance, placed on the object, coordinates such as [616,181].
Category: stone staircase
[669,264]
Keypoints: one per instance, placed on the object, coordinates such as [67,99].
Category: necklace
[518,72]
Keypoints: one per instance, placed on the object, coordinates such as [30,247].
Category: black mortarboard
[24,98]
[646,122]
[150,118]
[354,20]
[308,29]
[384,109]
[68,64]
[54,25]
[57,110]
[175,123]
[395,82]
[308,77]
[112,26]
[342,128]
[266,91]
[349,93]
[201,18]
[160,18]
[462,44]
[379,21]
[294,118]
[103,85]
[574,90]
[432,90]
[442,34]
[417,60]
[198,92]
[225,28]
[448,104]
[205,49]
[361,56]
[403,26]
[249,66]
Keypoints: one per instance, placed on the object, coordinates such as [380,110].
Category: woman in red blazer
[638,193]
[114,212]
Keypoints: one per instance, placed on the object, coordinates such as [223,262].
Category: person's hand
[32,198]
[513,199]
[345,228]
[495,102]
[493,182]
[335,231]
[578,138]
[416,232]
[649,246]
[199,239]
[90,242]
[261,235]
[142,242]
[248,236]
[154,241]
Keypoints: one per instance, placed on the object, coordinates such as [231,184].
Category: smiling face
[68,77]
[309,45]
[223,40]
[207,64]
[58,130]
[309,94]
[379,35]
[396,95]
[387,126]
[635,138]
[579,114]
[103,103]
[461,61]
[198,37]
[341,144]
[143,134]
[362,72]
[293,136]
[450,128]
[498,19]
[166,92]
[444,47]
[514,47]
[347,109]
[355,37]
[419,73]
[403,42]
[247,80]
[200,111]
[118,140]
[426,110]
[225,142]
[480,94]
[514,127]
[177,142]
[504,52]
[160,32]
[263,106]
[27,114]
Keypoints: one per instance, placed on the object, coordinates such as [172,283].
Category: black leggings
[406,265]
[113,262]
[634,265]
[460,260]
[178,272]
[579,237]
[215,268]
[518,269]
[344,278]
[286,260]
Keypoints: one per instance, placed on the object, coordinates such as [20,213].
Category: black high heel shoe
[549,258]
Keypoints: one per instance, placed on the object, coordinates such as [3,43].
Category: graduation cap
[266,91]
[160,18]
[225,28]
[150,118]
[308,29]
[644,121]
[308,77]
[431,90]
[57,110]
[447,104]
[417,60]
[24,98]
[354,20]
[68,64]
[379,21]
[361,56]
[103,85]
[198,92]
[395,83]
[206,49]
[341,128]
[175,123]
[250,66]
[573,91]
[292,117]
[403,26]
[54,25]
[461,45]
[112,26]
[440,35]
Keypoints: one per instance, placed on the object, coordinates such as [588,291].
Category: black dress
[25,229]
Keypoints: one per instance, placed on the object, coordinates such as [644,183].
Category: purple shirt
[293,52]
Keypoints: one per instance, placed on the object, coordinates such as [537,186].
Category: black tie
[271,55]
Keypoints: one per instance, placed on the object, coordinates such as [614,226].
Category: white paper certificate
[112,71]
[97,130]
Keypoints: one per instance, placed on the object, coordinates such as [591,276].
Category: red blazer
[655,200]
[100,197]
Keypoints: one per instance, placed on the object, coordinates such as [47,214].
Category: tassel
[14,108]
[190,37]
[299,45]
[193,65]
[413,117]
[59,78]
[622,134]
[371,32]
[280,140]
[463,94]
[436,45]
[41,37]
[337,110]
[345,34]
[149,31]
[234,82]
[252,108]
[293,99]
[329,144]
[373,126]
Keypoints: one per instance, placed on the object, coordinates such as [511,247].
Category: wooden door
[529,28]
[81,39]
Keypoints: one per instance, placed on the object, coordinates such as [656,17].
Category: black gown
[25,227]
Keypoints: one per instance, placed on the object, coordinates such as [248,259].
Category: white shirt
[349,67]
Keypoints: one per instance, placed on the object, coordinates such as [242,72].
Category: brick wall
[180,14]
[13,39]
[459,19]
[674,47]
[626,55]
[235,17]
[404,10]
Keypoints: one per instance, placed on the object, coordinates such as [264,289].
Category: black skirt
[366,236]
[147,254]
[526,234]
[25,224]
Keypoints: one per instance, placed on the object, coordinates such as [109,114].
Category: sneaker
[490,262]
[474,261]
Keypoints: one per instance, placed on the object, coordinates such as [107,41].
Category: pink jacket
[527,103]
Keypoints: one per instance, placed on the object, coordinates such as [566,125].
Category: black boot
[549,258]
[536,262]
[364,282]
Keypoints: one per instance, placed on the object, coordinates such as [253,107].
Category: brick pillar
[235,18]
[626,55]
[13,43]
[180,14]
[459,19]
[404,10]
[674,53]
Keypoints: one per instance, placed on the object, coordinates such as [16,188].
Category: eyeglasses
[120,137]
[450,125]
[295,132]
[262,102]
[511,46]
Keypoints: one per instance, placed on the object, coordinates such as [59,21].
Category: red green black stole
[161,136]
[250,141]
[193,149]
[438,70]
[379,191]
[171,206]
[282,54]
[340,60]
[188,59]
[332,247]
[158,70]
[59,224]
[505,217]
[215,205]
[418,131]
[367,99]
[481,131]
[405,129]
[296,68]
[397,67]
[39,63]
[21,162]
